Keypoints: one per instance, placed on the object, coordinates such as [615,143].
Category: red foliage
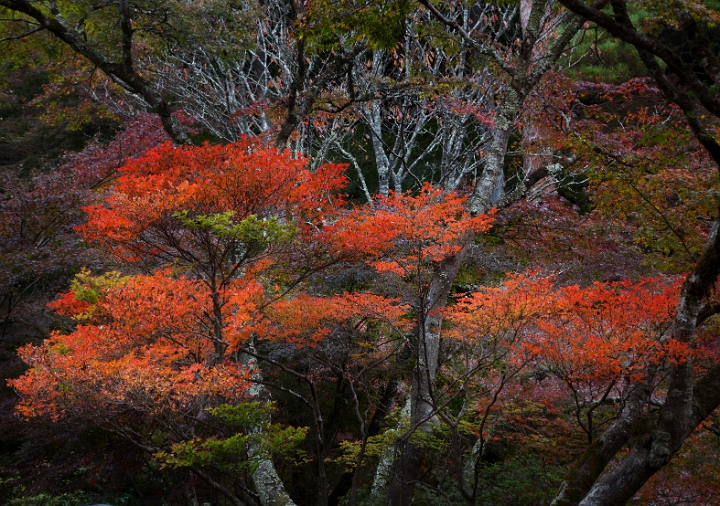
[591,338]
[137,219]
[306,320]
[405,232]
[231,221]
[144,349]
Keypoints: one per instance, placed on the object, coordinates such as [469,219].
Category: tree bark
[423,396]
[268,484]
[526,75]
[682,411]
[600,453]
[481,200]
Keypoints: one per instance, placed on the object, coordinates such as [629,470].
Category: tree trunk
[374,119]
[268,484]
[381,412]
[423,419]
[482,196]
[681,412]
[600,453]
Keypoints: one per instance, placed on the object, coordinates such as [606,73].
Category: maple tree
[586,344]
[212,213]
[403,363]
[217,212]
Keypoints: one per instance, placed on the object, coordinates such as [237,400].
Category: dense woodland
[352,252]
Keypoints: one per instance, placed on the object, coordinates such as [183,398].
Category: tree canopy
[269,253]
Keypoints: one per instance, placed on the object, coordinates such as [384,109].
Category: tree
[109,36]
[217,212]
[688,402]
[260,279]
[596,341]
[523,69]
[170,346]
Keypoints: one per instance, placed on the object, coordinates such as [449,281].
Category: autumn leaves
[232,248]
[229,228]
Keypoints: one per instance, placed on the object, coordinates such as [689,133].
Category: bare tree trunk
[423,418]
[268,484]
[374,119]
[600,453]
[482,197]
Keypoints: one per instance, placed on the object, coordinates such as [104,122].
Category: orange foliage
[164,343]
[137,219]
[305,320]
[597,334]
[610,330]
[151,350]
[404,231]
